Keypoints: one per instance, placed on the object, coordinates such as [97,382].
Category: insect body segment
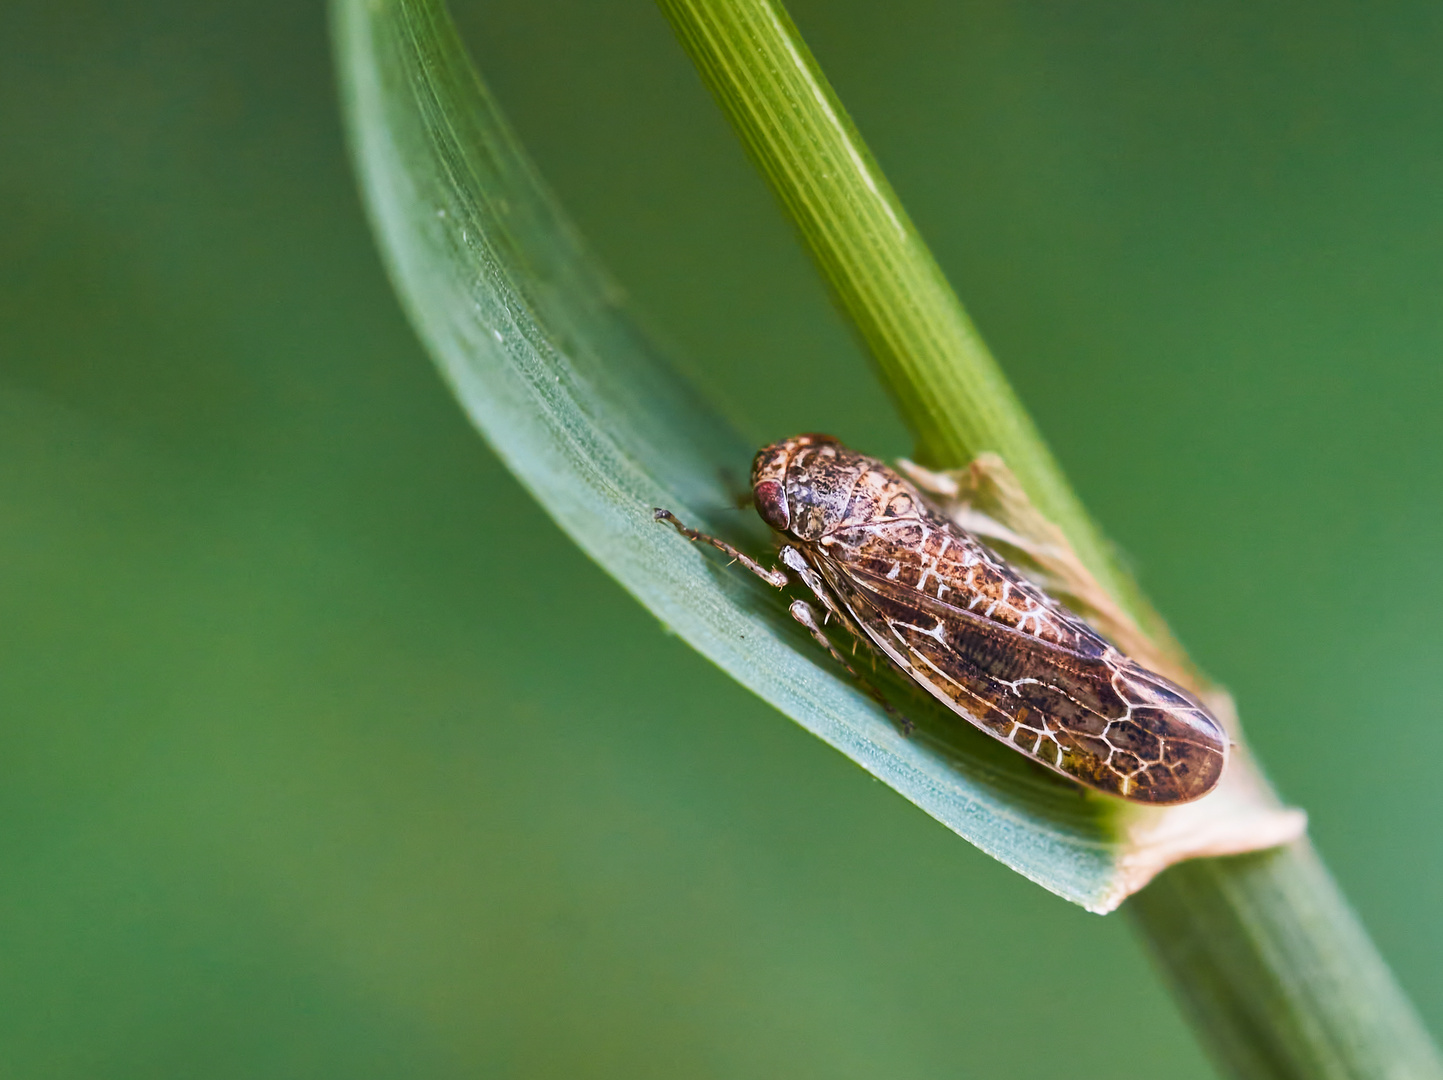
[959,621]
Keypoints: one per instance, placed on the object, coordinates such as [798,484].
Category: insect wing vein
[1098,718]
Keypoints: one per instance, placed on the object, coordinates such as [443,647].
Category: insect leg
[803,613]
[771,577]
[797,563]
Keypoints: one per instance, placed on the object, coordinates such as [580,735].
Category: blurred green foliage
[281,661]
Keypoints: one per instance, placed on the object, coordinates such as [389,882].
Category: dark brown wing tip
[1190,779]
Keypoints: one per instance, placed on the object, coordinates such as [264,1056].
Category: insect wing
[1100,718]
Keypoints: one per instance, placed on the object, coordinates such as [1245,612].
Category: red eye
[771,503]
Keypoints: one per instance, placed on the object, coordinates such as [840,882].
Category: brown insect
[955,618]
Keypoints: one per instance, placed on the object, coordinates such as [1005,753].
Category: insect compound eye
[771,503]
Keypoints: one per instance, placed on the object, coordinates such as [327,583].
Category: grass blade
[529,332]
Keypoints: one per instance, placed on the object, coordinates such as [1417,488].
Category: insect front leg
[795,561]
[771,576]
[803,613]
[798,563]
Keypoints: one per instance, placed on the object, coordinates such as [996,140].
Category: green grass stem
[1263,951]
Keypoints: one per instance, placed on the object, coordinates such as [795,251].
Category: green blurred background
[289,785]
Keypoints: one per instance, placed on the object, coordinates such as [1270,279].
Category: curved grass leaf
[530,333]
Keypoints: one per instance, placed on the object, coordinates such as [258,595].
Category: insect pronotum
[955,618]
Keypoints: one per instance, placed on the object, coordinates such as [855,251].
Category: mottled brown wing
[923,552]
[1090,713]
